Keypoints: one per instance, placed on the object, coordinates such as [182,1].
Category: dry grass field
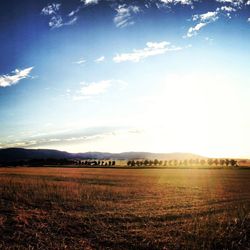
[67,208]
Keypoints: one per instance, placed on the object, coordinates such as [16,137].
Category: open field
[70,208]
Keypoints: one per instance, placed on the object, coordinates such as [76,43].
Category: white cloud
[210,16]
[151,49]
[56,20]
[203,20]
[124,15]
[248,19]
[228,9]
[8,80]
[236,3]
[89,90]
[88,2]
[248,2]
[72,21]
[169,3]
[183,2]
[51,9]
[92,89]
[95,88]
[100,59]
[74,12]
[192,31]
[80,61]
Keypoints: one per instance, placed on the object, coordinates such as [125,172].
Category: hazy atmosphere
[116,76]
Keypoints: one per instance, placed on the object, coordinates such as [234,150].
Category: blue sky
[155,75]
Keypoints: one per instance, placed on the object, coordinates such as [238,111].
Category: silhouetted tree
[233,163]
[227,162]
[222,162]
[216,162]
[175,163]
[156,162]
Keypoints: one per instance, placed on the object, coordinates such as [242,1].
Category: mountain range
[17,154]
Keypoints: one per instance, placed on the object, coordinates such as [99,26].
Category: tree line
[96,163]
[184,163]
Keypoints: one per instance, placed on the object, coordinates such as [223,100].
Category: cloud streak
[80,61]
[17,75]
[203,20]
[124,15]
[151,49]
[100,59]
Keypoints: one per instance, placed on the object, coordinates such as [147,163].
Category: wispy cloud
[100,59]
[151,49]
[89,90]
[93,89]
[15,77]
[69,137]
[74,12]
[80,61]
[236,3]
[124,15]
[56,19]
[51,9]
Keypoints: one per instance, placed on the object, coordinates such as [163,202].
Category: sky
[118,76]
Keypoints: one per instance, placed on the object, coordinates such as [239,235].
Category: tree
[202,162]
[156,162]
[210,162]
[222,162]
[233,163]
[216,162]
[227,162]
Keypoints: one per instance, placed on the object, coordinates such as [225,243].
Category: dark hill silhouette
[17,154]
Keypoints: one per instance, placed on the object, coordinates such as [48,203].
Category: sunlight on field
[53,208]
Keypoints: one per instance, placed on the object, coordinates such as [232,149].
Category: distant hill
[17,154]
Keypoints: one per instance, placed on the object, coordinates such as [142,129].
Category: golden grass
[60,208]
